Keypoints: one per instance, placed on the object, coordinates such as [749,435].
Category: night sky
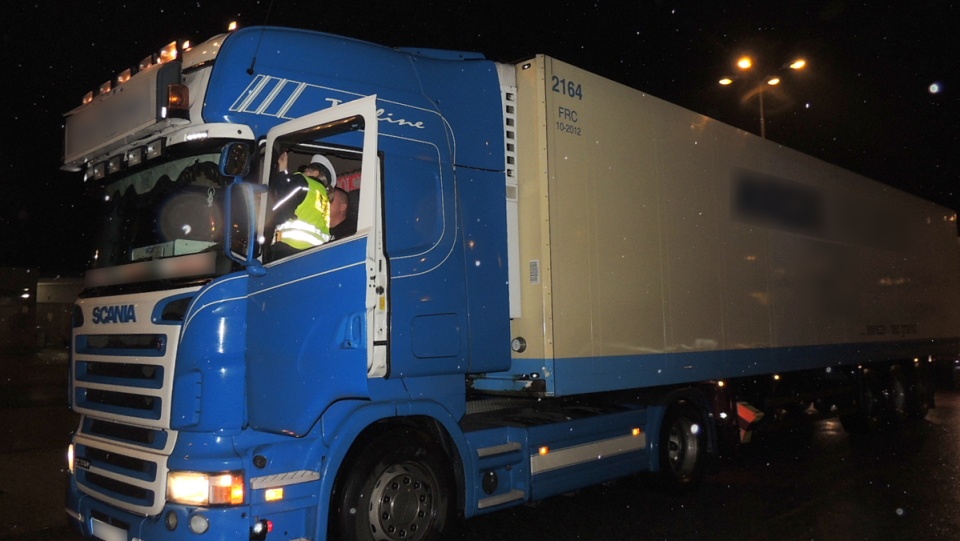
[880,95]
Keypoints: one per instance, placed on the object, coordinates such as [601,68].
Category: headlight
[70,464]
[195,488]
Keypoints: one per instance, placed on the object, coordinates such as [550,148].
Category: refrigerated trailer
[555,281]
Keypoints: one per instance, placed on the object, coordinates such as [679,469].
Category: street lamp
[745,64]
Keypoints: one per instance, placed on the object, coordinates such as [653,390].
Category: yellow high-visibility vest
[310,224]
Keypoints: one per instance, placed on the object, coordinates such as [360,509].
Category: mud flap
[747,419]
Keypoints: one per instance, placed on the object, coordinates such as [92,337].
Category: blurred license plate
[108,532]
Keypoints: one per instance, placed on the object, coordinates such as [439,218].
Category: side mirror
[235,160]
[241,212]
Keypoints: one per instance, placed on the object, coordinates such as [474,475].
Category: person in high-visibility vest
[301,208]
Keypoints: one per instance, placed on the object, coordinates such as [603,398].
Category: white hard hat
[324,161]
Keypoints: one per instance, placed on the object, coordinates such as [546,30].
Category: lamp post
[745,64]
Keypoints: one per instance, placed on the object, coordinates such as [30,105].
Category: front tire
[397,487]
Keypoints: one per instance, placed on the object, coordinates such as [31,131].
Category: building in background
[18,292]
[35,311]
[54,308]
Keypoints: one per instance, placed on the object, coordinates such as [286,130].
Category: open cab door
[317,318]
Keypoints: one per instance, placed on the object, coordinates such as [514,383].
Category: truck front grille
[122,385]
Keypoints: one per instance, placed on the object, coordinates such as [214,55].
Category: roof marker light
[168,53]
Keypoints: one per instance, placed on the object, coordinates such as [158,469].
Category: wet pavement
[817,484]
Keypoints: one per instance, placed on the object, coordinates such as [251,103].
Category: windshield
[165,210]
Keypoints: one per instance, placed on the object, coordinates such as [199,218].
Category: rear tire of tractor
[399,486]
[682,449]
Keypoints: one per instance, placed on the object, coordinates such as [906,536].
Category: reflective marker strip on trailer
[587,452]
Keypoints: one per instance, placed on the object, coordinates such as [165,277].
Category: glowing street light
[746,63]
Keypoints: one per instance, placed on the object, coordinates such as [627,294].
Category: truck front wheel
[683,447]
[396,487]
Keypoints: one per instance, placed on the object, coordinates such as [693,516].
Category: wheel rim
[683,446]
[402,503]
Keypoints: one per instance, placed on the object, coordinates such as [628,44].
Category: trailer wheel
[397,487]
[920,397]
[683,447]
[896,396]
[868,412]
